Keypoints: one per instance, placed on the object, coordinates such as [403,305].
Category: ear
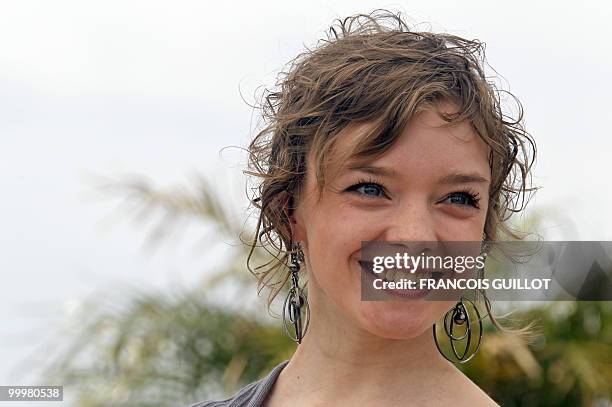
[293,213]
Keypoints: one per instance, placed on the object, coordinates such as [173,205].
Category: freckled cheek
[332,241]
[468,229]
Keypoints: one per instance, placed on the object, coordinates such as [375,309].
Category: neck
[337,356]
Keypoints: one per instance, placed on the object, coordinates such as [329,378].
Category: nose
[412,226]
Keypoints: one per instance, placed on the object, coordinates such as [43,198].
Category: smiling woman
[379,134]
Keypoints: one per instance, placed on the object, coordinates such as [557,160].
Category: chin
[400,319]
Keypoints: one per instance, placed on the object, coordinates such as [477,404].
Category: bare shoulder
[472,395]
[466,393]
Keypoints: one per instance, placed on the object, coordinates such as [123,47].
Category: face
[418,196]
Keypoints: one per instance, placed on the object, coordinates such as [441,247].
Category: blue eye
[464,198]
[368,189]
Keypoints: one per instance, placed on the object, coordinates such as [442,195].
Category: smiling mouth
[397,275]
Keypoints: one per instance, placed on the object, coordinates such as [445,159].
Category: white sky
[152,87]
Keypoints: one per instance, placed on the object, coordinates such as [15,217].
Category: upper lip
[368,264]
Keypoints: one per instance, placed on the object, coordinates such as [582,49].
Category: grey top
[251,395]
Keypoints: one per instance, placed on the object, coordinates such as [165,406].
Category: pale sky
[154,88]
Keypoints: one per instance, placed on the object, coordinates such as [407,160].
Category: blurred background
[124,278]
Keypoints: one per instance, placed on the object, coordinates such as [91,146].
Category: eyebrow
[450,179]
[460,178]
[370,169]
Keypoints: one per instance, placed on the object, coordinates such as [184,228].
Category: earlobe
[296,228]
[290,213]
[297,231]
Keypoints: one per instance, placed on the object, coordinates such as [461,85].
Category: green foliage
[163,350]
[569,362]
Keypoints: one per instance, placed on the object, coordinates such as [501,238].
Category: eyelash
[362,182]
[472,196]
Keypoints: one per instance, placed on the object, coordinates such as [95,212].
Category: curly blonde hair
[373,68]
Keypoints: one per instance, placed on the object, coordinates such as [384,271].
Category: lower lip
[407,293]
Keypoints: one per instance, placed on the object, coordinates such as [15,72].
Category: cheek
[458,229]
[337,228]
[332,240]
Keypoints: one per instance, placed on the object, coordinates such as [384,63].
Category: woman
[378,134]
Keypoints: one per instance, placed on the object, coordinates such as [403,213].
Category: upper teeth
[398,275]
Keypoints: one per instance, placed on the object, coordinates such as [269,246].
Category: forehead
[424,145]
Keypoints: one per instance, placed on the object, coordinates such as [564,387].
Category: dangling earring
[296,308]
[459,316]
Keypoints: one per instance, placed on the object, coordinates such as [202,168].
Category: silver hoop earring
[296,311]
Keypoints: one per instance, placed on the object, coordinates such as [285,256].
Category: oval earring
[296,311]
[459,316]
